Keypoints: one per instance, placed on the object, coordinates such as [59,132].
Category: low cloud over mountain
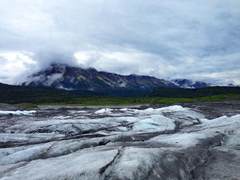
[61,76]
[168,39]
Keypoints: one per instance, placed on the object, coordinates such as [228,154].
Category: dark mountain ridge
[61,76]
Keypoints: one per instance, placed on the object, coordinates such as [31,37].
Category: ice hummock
[18,112]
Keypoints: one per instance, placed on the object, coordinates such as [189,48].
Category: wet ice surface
[172,142]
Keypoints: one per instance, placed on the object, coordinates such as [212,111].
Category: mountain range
[61,76]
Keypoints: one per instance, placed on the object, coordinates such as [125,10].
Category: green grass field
[121,101]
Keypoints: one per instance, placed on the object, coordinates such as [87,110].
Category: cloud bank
[197,39]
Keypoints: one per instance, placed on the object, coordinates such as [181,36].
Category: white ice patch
[175,108]
[180,139]
[208,129]
[124,109]
[154,123]
[79,165]
[104,111]
[223,123]
[27,138]
[148,111]
[135,163]
[27,113]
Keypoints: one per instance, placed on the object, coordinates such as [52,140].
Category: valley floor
[189,141]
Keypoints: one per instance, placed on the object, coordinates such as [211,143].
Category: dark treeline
[19,94]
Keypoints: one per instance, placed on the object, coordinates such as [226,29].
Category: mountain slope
[20,94]
[189,84]
[61,76]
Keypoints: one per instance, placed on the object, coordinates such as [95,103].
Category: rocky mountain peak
[189,84]
[62,76]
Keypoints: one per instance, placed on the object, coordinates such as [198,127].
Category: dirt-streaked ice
[154,143]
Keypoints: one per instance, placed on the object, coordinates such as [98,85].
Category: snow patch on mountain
[190,84]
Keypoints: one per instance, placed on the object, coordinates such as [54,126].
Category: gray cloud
[197,39]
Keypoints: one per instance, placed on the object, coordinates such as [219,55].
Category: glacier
[173,142]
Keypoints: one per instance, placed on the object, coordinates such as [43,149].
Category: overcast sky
[195,39]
